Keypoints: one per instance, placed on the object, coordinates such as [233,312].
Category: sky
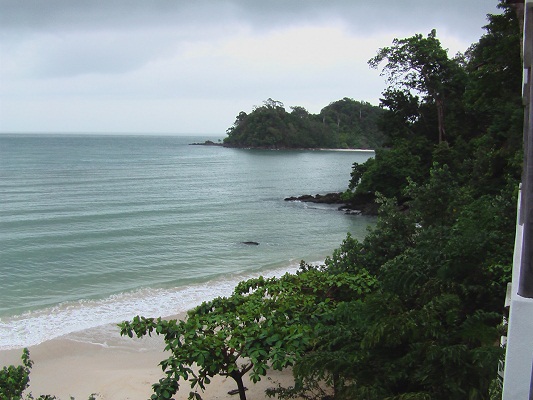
[190,66]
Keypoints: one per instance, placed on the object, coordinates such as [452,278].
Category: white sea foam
[82,317]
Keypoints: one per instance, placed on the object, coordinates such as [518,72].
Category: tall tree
[419,64]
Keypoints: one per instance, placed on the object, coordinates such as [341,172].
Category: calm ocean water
[97,229]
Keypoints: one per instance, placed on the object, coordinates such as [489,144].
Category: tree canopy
[265,323]
[413,310]
[442,246]
[344,123]
[420,64]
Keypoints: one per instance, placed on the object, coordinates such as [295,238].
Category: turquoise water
[97,229]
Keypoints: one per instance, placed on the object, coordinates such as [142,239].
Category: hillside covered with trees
[344,123]
[414,311]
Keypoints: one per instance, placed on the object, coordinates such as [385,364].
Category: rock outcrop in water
[360,204]
[206,143]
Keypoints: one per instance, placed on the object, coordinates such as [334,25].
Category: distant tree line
[345,123]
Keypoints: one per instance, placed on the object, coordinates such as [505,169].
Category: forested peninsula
[342,124]
[413,311]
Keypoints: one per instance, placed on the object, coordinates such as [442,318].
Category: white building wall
[517,383]
[519,350]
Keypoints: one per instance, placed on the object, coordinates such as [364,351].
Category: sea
[95,229]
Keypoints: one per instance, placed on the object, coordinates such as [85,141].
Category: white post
[518,372]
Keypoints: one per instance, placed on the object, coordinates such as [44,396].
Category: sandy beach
[117,368]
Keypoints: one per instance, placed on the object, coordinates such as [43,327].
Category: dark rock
[364,204]
[350,211]
[251,243]
[329,198]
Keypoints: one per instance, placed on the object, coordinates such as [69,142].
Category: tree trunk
[336,386]
[240,385]
[440,119]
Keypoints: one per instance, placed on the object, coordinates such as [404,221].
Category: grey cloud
[363,16]
[166,58]
[55,15]
[143,29]
[360,15]
[98,52]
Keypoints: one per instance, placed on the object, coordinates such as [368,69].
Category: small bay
[98,228]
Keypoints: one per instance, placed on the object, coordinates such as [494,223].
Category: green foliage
[441,250]
[420,64]
[352,124]
[421,348]
[342,124]
[14,380]
[393,233]
[265,323]
[483,114]
[429,329]
[493,102]
[388,172]
[411,311]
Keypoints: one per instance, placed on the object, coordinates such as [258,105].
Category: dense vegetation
[344,123]
[443,255]
[265,323]
[413,310]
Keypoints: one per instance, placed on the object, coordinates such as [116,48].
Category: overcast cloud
[189,67]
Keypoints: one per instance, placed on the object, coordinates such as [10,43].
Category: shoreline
[66,368]
[118,368]
[299,149]
[84,320]
[98,361]
[211,143]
